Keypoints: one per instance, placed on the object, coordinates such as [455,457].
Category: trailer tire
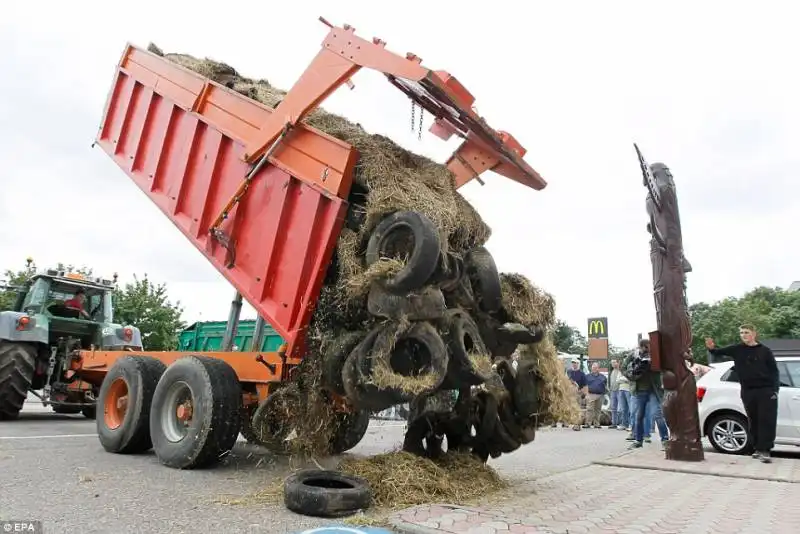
[324,493]
[350,430]
[211,396]
[423,258]
[421,305]
[134,378]
[335,356]
[484,278]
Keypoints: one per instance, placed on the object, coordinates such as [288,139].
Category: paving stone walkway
[624,500]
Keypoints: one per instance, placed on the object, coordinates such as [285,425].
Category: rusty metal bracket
[271,366]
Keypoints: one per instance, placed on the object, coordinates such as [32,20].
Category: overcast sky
[706,87]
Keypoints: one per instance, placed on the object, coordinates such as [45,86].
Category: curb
[691,471]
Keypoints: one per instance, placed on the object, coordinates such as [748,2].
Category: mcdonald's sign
[598,328]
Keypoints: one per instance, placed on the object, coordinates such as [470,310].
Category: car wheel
[729,434]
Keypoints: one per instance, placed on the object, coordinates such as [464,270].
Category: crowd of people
[636,391]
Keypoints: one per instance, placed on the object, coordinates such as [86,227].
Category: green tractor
[57,314]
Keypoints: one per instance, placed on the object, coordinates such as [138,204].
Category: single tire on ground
[484,278]
[125,398]
[406,233]
[349,431]
[335,356]
[195,417]
[17,366]
[422,305]
[324,493]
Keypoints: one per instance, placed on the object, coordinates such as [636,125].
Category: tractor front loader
[41,339]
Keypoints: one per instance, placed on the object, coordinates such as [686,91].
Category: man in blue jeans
[646,393]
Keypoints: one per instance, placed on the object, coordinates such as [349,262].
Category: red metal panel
[284,230]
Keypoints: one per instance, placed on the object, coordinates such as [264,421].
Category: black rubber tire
[488,327]
[17,367]
[66,410]
[335,356]
[422,260]
[216,405]
[484,278]
[741,420]
[355,369]
[89,412]
[423,334]
[350,430]
[272,421]
[141,375]
[246,428]
[462,336]
[421,305]
[526,392]
[324,493]
[449,271]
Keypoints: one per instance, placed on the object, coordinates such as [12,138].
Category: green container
[207,337]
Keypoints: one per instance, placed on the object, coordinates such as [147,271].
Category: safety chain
[413,118]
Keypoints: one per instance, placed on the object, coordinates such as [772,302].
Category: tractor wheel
[17,366]
[196,413]
[124,398]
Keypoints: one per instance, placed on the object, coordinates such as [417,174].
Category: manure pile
[412,310]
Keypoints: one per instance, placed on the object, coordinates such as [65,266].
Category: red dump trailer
[263,197]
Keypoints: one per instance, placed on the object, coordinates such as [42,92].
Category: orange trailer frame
[237,177]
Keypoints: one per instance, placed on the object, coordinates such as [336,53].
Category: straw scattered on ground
[401,479]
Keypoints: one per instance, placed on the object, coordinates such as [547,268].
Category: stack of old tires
[433,322]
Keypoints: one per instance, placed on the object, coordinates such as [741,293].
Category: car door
[790,399]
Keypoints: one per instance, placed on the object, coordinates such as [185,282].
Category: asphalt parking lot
[54,470]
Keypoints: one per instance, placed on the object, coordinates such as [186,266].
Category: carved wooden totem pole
[672,315]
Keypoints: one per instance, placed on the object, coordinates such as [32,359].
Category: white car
[722,415]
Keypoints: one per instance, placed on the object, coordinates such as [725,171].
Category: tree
[12,280]
[145,305]
[774,312]
[569,339]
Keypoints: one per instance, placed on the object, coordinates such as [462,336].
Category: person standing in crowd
[578,379]
[614,389]
[760,384]
[647,392]
[596,387]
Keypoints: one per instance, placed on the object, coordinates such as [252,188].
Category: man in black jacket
[760,382]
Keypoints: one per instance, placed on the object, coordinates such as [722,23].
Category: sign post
[673,336]
[597,335]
